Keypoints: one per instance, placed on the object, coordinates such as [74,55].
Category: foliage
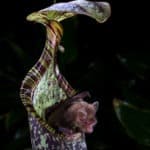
[135,120]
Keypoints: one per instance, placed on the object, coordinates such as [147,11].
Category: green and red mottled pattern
[42,135]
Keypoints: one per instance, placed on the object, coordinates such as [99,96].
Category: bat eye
[82,115]
[92,119]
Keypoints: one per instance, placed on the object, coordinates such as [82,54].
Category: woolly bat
[74,115]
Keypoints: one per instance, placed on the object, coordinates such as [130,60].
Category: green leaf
[135,120]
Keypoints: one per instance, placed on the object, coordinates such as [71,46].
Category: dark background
[110,60]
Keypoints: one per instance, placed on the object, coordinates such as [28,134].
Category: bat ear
[96,105]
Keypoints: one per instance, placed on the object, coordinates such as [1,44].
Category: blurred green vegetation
[111,60]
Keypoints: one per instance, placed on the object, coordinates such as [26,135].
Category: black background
[95,68]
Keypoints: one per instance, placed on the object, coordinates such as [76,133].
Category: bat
[74,115]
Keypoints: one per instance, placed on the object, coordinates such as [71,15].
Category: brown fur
[74,115]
